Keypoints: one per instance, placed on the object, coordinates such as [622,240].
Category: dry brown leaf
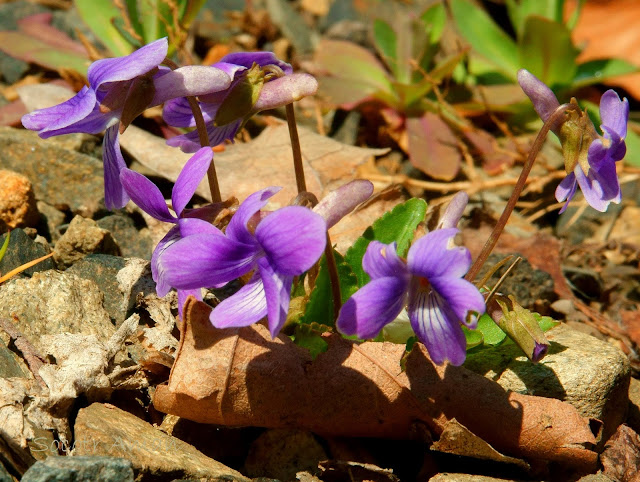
[459,440]
[621,456]
[265,161]
[240,377]
[607,34]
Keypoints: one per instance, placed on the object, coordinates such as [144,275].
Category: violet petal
[193,226]
[146,195]
[189,81]
[178,113]
[372,307]
[461,296]
[277,289]
[566,190]
[204,260]
[190,142]
[244,308]
[128,67]
[62,115]
[115,197]
[237,228]
[614,113]
[340,202]
[542,97]
[453,212]
[381,260]
[189,178]
[162,288]
[435,256]
[293,239]
[437,327]
[285,90]
[247,59]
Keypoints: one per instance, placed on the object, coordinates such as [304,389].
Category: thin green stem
[295,148]
[553,119]
[203,136]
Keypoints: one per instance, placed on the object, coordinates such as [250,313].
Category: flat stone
[102,429]
[53,302]
[281,453]
[132,243]
[17,201]
[61,177]
[80,469]
[21,250]
[449,477]
[4,475]
[590,374]
[83,236]
[51,219]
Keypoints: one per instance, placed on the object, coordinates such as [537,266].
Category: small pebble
[17,201]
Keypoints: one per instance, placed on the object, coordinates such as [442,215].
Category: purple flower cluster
[594,166]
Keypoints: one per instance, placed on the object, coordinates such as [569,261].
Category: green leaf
[573,19]
[5,245]
[546,50]
[320,306]
[491,332]
[545,322]
[633,148]
[474,337]
[97,14]
[519,10]
[397,226]
[486,38]
[597,71]
[30,49]
[310,338]
[386,43]
[434,20]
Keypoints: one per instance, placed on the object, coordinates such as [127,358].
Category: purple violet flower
[119,90]
[592,158]
[430,282]
[252,90]
[284,244]
[148,197]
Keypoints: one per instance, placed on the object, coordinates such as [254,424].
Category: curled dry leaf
[240,377]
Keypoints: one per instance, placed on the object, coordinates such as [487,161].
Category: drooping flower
[589,158]
[119,90]
[148,197]
[429,283]
[254,88]
[279,246]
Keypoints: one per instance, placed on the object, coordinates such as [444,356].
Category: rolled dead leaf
[241,377]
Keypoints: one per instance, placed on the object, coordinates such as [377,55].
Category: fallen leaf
[604,33]
[621,456]
[240,377]
[244,168]
[459,440]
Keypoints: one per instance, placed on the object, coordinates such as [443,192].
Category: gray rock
[4,475]
[51,219]
[83,237]
[53,302]
[590,374]
[132,243]
[281,453]
[80,469]
[61,177]
[119,279]
[9,364]
[154,454]
[21,250]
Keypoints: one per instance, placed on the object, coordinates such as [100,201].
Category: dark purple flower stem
[553,121]
[212,177]
[295,148]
